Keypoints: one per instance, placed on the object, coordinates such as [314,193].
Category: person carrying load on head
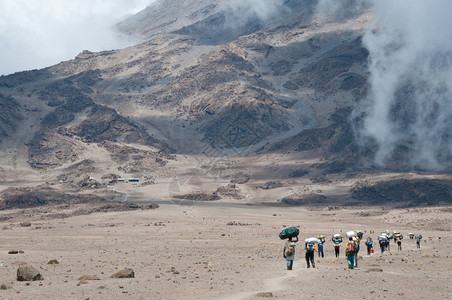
[385,237]
[382,245]
[418,241]
[359,234]
[396,235]
[350,249]
[337,240]
[398,239]
[321,242]
[309,246]
[289,251]
[291,234]
[399,243]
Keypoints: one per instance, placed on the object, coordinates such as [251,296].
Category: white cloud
[245,9]
[410,100]
[340,8]
[40,33]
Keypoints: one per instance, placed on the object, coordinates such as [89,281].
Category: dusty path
[270,285]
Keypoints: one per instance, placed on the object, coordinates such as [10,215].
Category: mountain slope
[210,96]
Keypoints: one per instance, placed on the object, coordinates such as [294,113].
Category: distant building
[134,179]
[121,179]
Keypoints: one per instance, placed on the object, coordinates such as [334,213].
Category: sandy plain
[187,251]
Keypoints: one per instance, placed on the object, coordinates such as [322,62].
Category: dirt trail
[271,285]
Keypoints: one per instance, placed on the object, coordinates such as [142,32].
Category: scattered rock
[28,273]
[320,179]
[5,286]
[126,273]
[374,270]
[198,197]
[271,185]
[229,191]
[53,262]
[265,295]
[25,224]
[82,282]
[89,277]
[235,223]
[240,178]
[298,173]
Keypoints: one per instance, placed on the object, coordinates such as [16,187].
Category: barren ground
[188,252]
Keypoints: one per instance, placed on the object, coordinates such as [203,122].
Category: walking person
[321,242]
[356,240]
[369,245]
[360,234]
[310,248]
[382,245]
[289,251]
[350,249]
[399,243]
[418,242]
[337,246]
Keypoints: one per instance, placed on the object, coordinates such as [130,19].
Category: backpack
[356,242]
[351,247]
[290,249]
[310,247]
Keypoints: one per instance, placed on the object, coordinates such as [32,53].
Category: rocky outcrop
[407,193]
[49,149]
[105,124]
[35,197]
[89,277]
[10,115]
[333,71]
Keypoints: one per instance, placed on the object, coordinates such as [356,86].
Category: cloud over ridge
[410,98]
[39,33]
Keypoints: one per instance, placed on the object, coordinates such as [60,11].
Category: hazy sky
[39,33]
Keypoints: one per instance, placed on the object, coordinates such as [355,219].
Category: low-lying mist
[408,113]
